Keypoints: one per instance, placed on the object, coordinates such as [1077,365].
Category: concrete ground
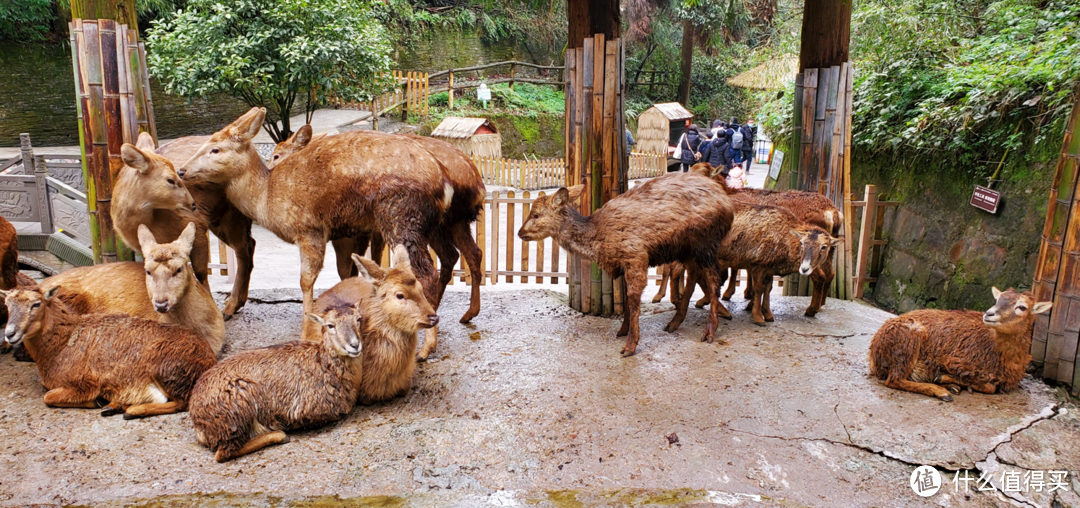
[531,405]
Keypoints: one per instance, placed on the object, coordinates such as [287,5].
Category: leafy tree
[272,53]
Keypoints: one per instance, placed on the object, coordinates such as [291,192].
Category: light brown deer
[162,288]
[454,234]
[394,310]
[345,185]
[141,367]
[225,221]
[148,192]
[987,352]
[677,217]
[247,401]
[10,276]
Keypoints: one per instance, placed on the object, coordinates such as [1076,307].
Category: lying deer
[677,217]
[935,352]
[141,367]
[162,288]
[248,400]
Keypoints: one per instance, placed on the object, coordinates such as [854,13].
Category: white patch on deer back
[448,195]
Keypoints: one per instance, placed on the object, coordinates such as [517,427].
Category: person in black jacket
[749,133]
[690,143]
[717,153]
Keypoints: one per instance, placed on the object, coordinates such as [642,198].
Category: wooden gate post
[1054,348]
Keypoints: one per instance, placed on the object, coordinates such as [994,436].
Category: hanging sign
[777,160]
[985,199]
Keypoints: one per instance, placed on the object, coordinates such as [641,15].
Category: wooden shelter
[474,136]
[774,74]
[660,126]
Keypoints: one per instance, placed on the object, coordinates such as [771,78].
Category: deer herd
[144,338]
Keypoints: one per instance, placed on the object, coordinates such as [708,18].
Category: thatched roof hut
[660,127]
[474,136]
[774,74]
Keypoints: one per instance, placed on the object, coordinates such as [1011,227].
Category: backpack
[737,139]
[748,136]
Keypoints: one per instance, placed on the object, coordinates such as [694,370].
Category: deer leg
[684,302]
[255,444]
[431,341]
[377,246]
[766,308]
[663,284]
[474,259]
[145,410]
[343,249]
[235,230]
[731,284]
[984,388]
[928,389]
[677,275]
[67,396]
[721,274]
[636,280]
[625,328]
[312,252]
[200,257]
[757,303]
[749,292]
[112,409]
[712,283]
[448,257]
[952,384]
[822,280]
[704,300]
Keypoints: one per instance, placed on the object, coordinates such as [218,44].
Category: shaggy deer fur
[247,401]
[225,221]
[453,235]
[142,367]
[10,276]
[341,186]
[163,288]
[922,350]
[148,192]
[676,217]
[394,310]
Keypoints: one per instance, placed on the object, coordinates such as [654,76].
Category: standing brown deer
[676,217]
[453,235]
[987,352]
[225,221]
[342,186]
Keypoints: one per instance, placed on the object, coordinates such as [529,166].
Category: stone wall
[941,251]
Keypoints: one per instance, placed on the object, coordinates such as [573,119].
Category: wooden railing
[410,91]
[513,77]
[867,263]
[550,173]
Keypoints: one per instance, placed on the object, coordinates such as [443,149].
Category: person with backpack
[690,146]
[717,152]
[738,140]
[748,144]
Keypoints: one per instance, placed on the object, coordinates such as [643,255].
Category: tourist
[749,134]
[690,145]
[717,152]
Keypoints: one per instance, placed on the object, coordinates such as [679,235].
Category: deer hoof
[759,323]
[946,398]
[129,416]
[626,353]
[670,328]
[111,411]
[810,312]
[726,298]
[421,359]
[955,389]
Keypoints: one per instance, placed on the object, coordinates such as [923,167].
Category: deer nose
[180,172]
[434,320]
[161,306]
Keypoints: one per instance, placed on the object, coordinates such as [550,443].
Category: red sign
[985,199]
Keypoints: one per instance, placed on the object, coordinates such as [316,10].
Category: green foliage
[26,20]
[271,53]
[538,22]
[526,100]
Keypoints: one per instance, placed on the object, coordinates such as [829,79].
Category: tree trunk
[687,57]
[826,33]
[121,11]
[586,18]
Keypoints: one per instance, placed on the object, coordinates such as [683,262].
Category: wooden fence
[410,91]
[871,240]
[474,81]
[550,173]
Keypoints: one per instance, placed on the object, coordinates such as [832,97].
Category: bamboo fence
[411,91]
[551,173]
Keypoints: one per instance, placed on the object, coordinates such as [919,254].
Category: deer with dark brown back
[453,236]
[141,367]
[939,352]
[677,217]
[341,186]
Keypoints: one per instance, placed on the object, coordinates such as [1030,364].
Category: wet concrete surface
[532,405]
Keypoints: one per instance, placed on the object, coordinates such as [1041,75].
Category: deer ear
[247,126]
[317,319]
[575,191]
[135,158]
[3,294]
[369,270]
[996,292]
[1041,307]
[836,241]
[51,292]
[187,238]
[561,197]
[302,136]
[400,259]
[796,234]
[146,238]
[145,142]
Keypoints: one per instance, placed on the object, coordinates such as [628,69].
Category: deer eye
[215,150]
[330,327]
[536,216]
[171,182]
[148,272]
[1021,308]
[177,272]
[277,156]
[401,296]
[35,305]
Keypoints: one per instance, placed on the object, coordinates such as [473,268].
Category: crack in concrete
[882,453]
[274,302]
[991,464]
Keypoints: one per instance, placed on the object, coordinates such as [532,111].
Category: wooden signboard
[777,160]
[985,199]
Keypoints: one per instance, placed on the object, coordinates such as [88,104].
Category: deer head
[168,274]
[548,213]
